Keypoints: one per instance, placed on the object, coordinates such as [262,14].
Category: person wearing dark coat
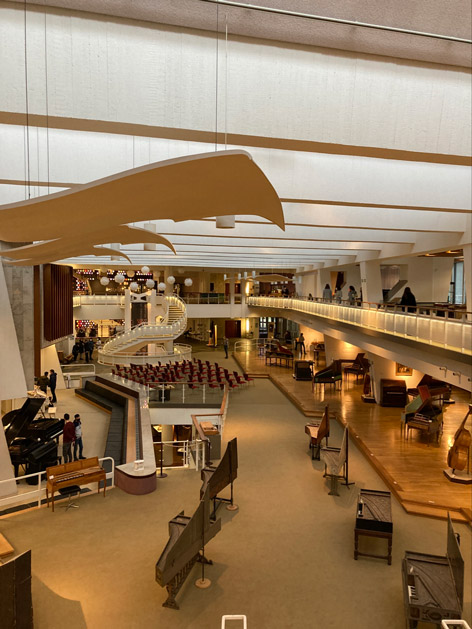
[81,349]
[43,382]
[53,384]
[88,350]
[408,299]
[75,350]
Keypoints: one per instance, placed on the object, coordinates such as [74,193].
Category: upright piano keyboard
[82,472]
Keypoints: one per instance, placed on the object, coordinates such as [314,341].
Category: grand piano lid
[15,421]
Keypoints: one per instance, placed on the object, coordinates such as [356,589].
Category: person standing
[78,444]
[53,384]
[81,349]
[68,438]
[75,350]
[352,296]
[301,342]
[408,299]
[88,350]
[43,382]
[327,295]
[225,346]
[338,295]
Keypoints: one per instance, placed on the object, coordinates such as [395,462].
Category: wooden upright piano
[82,472]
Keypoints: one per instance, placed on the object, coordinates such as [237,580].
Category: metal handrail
[443,332]
[186,454]
[40,491]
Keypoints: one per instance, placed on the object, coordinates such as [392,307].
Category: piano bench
[72,490]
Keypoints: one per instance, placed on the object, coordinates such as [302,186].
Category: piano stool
[72,490]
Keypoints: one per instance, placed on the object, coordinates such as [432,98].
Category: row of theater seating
[191,373]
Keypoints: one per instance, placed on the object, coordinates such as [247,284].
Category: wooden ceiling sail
[68,247]
[186,188]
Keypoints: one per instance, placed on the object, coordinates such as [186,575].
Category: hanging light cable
[27,156]
[47,93]
[222,222]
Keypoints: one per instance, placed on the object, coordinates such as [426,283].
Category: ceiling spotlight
[225,222]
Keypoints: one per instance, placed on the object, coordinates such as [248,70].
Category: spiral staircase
[129,346]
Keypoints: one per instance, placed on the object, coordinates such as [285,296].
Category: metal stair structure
[173,323]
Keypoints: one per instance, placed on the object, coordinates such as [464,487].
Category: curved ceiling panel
[197,186]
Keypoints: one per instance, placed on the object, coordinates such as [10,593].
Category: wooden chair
[336,462]
[317,432]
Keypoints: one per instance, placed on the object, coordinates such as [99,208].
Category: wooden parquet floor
[412,469]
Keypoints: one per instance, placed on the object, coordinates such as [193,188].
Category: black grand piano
[32,443]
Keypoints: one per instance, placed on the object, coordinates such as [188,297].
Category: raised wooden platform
[413,470]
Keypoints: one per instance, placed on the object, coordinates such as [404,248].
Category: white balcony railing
[99,300]
[425,327]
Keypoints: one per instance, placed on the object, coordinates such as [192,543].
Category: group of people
[299,341]
[338,295]
[81,347]
[72,434]
[48,380]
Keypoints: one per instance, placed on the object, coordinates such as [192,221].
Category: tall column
[168,454]
[468,276]
[371,281]
[317,288]
[127,309]
[243,291]
[231,288]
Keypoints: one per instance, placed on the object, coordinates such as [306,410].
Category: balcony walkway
[413,470]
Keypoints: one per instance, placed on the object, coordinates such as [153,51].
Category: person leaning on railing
[408,299]
[327,295]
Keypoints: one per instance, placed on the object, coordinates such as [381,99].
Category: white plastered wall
[50,360]
[337,349]
[429,278]
[384,369]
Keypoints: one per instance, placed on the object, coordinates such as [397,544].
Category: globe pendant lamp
[134,286]
[150,283]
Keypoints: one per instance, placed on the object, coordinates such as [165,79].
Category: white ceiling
[381,175]
[430,16]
